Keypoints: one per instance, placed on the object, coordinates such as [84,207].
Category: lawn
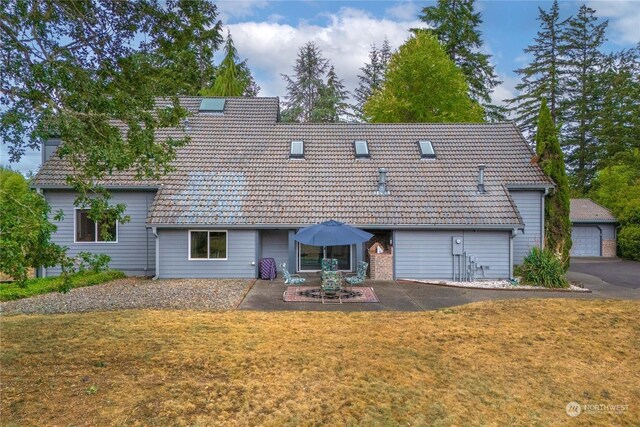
[516,362]
[44,285]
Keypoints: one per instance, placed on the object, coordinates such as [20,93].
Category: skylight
[212,105]
[426,150]
[297,150]
[361,148]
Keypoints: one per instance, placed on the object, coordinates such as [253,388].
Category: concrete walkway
[403,296]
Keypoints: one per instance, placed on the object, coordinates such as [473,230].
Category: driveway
[611,270]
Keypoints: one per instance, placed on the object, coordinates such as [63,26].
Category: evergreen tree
[423,85]
[617,123]
[233,78]
[332,105]
[556,209]
[372,77]
[306,86]
[542,77]
[455,23]
[580,44]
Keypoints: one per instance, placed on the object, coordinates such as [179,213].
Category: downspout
[146,267]
[547,191]
[155,233]
[41,271]
[514,233]
[600,229]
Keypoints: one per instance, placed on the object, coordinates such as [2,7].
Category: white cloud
[30,161]
[506,90]
[404,11]
[238,8]
[345,39]
[624,19]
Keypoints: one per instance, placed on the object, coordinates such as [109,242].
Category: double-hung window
[207,244]
[89,231]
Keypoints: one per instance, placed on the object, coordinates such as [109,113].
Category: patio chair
[359,277]
[292,279]
[331,285]
[329,264]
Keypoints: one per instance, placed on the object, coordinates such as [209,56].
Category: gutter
[106,187]
[454,227]
[547,191]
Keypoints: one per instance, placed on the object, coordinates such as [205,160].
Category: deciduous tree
[423,85]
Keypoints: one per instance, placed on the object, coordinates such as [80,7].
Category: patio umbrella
[331,233]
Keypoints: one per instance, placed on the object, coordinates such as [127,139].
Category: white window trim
[351,254]
[95,224]
[226,232]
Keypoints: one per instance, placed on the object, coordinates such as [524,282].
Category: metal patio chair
[291,279]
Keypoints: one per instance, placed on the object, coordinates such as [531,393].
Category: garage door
[586,241]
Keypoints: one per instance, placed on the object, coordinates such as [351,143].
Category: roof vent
[382,181]
[187,126]
[212,105]
[481,179]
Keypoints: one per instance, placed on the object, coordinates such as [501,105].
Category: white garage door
[586,241]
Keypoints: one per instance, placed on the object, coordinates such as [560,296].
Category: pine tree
[580,44]
[556,209]
[332,105]
[233,78]
[455,23]
[372,77]
[542,77]
[306,85]
[617,123]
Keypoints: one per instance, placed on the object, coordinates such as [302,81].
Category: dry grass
[490,363]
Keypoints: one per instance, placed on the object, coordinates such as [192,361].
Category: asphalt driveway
[611,270]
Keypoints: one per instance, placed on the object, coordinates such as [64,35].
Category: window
[212,105]
[88,231]
[361,148]
[426,150]
[208,245]
[297,150]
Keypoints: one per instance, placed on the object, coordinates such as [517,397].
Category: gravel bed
[133,293]
[496,284]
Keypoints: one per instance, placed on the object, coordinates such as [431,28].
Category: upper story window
[88,231]
[426,150]
[208,244]
[361,148]
[297,150]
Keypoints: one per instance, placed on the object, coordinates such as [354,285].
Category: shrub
[44,285]
[94,262]
[542,268]
[629,242]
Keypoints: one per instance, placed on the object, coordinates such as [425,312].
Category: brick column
[608,248]
[381,267]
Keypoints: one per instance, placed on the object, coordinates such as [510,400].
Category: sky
[269,33]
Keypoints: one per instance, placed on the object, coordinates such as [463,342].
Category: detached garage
[593,230]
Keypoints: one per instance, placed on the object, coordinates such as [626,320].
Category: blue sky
[268,34]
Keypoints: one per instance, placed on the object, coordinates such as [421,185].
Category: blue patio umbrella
[331,233]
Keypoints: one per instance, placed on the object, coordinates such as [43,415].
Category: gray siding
[134,253]
[175,263]
[529,203]
[428,254]
[275,244]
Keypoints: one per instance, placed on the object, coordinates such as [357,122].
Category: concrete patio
[406,296]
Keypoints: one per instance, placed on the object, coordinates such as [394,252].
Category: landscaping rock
[135,293]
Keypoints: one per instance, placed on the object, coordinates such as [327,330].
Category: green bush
[542,268]
[629,242]
[45,285]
